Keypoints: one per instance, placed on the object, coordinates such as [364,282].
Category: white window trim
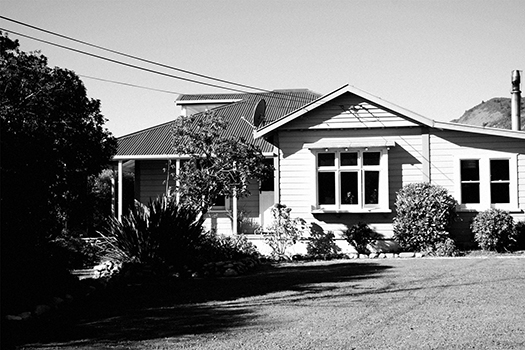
[383,201]
[484,179]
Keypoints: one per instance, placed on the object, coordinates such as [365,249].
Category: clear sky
[436,58]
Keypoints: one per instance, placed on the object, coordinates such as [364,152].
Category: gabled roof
[270,127]
[156,142]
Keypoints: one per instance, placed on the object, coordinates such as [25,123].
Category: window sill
[353,211]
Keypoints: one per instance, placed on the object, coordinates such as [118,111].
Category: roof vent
[515,101]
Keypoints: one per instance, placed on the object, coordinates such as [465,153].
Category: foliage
[284,231]
[360,236]
[446,248]
[218,165]
[321,244]
[424,213]
[160,233]
[73,252]
[52,139]
[520,235]
[494,229]
[215,248]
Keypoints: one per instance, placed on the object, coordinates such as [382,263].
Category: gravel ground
[428,303]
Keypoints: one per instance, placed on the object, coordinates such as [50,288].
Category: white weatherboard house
[341,158]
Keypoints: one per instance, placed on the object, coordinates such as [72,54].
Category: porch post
[235,214]
[120,187]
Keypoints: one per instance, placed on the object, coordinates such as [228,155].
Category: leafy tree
[52,138]
[218,164]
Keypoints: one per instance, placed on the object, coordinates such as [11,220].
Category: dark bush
[215,248]
[72,252]
[494,230]
[160,233]
[360,236]
[424,213]
[520,235]
[321,244]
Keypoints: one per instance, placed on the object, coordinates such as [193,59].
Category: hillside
[492,113]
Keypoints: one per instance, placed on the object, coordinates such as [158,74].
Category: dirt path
[372,304]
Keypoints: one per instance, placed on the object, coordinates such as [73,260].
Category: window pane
[470,170]
[326,187]
[349,188]
[371,158]
[371,187]
[499,169]
[348,159]
[470,193]
[220,201]
[499,193]
[326,159]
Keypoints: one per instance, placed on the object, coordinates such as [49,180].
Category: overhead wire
[129,84]
[145,61]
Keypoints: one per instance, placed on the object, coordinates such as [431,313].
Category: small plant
[446,248]
[494,230]
[360,236]
[215,248]
[284,231]
[520,235]
[321,244]
[424,213]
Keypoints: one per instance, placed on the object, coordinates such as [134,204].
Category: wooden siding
[298,172]
[150,183]
[447,145]
[349,111]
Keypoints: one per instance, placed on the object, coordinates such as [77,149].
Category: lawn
[428,303]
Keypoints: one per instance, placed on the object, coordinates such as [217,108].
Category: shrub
[446,248]
[494,229]
[359,236]
[72,252]
[215,248]
[520,235]
[424,213]
[284,231]
[161,232]
[321,244]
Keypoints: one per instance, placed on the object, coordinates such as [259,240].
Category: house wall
[298,172]
[420,154]
[446,146]
[150,178]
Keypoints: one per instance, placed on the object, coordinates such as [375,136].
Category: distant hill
[492,113]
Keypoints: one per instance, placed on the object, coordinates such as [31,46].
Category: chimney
[515,102]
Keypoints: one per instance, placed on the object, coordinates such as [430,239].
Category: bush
[215,248]
[424,213]
[446,248]
[494,230]
[72,252]
[520,235]
[321,244]
[284,231]
[160,233]
[360,236]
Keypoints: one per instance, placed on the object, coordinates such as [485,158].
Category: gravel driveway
[428,303]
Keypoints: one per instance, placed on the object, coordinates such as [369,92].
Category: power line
[131,85]
[143,59]
[277,95]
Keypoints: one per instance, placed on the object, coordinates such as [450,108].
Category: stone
[42,309]
[406,255]
[230,273]
[363,256]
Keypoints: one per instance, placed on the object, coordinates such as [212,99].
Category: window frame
[485,181]
[338,169]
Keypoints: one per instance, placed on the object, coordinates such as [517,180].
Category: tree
[52,139]
[218,164]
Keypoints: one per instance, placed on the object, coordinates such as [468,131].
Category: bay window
[352,180]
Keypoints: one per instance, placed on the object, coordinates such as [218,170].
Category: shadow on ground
[183,307]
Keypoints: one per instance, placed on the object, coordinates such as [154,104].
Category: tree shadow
[194,306]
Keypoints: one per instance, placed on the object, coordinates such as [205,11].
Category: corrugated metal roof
[157,140]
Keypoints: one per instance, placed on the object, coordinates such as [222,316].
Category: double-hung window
[352,180]
[486,182]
